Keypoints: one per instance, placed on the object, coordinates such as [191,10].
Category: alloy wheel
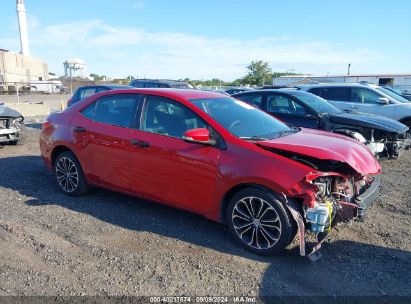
[256,222]
[67,174]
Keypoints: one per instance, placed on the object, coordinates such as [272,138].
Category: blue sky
[215,38]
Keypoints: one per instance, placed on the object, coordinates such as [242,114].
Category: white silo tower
[24,34]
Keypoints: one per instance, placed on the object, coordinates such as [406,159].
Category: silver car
[10,125]
[364,98]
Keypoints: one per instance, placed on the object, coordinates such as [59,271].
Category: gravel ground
[111,244]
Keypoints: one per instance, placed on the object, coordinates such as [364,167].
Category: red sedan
[216,156]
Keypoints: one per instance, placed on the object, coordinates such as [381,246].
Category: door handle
[79,129]
[139,143]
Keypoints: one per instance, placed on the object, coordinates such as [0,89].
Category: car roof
[168,81]
[169,92]
[337,84]
[117,86]
[287,90]
[108,86]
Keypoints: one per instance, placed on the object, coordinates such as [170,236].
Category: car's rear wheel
[69,174]
[260,222]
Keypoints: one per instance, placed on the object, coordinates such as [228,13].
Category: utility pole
[349,68]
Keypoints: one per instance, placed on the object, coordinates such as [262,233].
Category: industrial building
[17,69]
[400,81]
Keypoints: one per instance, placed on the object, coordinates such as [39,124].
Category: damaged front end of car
[336,191]
[384,137]
[329,199]
[10,125]
[382,144]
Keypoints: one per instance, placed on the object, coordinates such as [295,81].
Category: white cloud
[121,51]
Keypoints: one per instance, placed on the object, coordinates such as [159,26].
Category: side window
[167,117]
[361,95]
[88,111]
[316,91]
[252,99]
[338,94]
[137,84]
[118,110]
[151,85]
[163,86]
[87,92]
[101,89]
[284,105]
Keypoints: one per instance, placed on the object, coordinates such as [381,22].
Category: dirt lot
[106,243]
[54,100]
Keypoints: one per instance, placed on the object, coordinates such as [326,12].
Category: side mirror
[199,136]
[383,100]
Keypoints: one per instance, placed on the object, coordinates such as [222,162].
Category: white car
[10,125]
[364,98]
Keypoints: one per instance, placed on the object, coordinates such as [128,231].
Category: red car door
[103,140]
[166,168]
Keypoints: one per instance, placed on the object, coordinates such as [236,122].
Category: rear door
[290,111]
[365,100]
[102,133]
[166,168]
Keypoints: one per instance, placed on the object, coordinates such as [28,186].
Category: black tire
[75,185]
[270,227]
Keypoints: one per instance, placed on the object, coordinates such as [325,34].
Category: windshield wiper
[253,138]
[285,132]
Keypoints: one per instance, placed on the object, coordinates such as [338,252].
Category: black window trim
[220,142]
[332,87]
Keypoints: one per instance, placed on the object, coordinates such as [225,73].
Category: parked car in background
[160,83]
[86,91]
[11,122]
[216,156]
[233,91]
[399,92]
[365,98]
[272,87]
[385,137]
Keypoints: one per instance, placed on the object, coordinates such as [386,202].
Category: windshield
[317,103]
[393,95]
[241,119]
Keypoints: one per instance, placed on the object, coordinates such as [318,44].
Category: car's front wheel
[69,174]
[260,222]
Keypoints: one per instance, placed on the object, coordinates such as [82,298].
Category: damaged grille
[4,123]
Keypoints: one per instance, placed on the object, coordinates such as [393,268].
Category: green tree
[96,77]
[259,73]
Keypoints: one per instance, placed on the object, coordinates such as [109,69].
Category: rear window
[137,84]
[338,94]
[252,99]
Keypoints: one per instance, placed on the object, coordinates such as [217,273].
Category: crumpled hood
[327,146]
[7,112]
[369,121]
